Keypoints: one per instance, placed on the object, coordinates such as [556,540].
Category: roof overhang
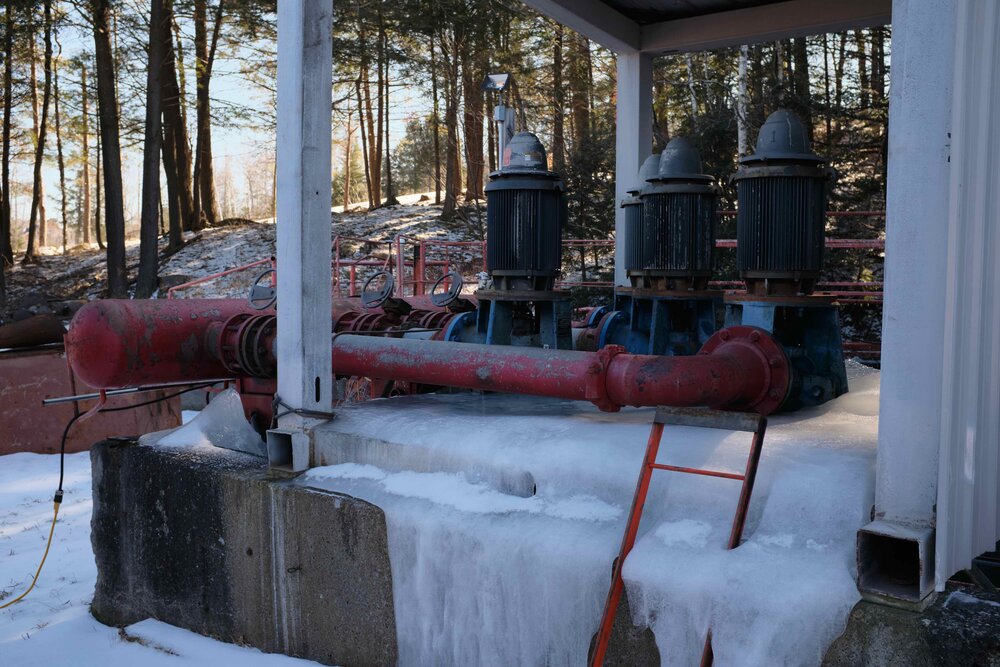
[609,27]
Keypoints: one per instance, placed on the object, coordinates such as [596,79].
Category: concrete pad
[961,627]
[205,539]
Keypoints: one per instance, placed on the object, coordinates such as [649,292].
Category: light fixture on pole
[503,116]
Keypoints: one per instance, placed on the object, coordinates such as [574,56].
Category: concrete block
[961,627]
[209,540]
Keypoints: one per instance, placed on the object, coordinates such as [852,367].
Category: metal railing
[417,263]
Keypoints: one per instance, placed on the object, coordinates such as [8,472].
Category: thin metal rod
[381,332]
[128,390]
[699,471]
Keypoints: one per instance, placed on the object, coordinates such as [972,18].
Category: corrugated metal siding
[968,521]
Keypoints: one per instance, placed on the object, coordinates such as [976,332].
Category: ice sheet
[486,573]
[220,424]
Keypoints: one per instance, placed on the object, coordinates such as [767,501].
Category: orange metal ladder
[703,418]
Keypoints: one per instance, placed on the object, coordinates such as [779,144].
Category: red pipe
[124,343]
[116,343]
[739,368]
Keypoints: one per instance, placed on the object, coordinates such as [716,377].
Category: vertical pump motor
[669,251]
[679,207]
[632,207]
[525,214]
[635,252]
[782,191]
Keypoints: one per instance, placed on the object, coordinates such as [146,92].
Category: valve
[449,296]
[373,298]
[262,297]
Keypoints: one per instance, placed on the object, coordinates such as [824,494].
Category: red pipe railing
[246,267]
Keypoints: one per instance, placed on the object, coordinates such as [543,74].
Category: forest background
[124,119]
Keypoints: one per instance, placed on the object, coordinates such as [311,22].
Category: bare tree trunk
[742,144]
[150,208]
[374,149]
[802,85]
[558,102]
[380,92]
[175,226]
[693,98]
[826,93]
[107,110]
[177,46]
[204,174]
[878,63]
[6,249]
[453,167]
[364,146]
[579,85]
[37,192]
[59,154]
[436,124]
[347,162]
[98,184]
[85,153]
[473,124]
[863,80]
[175,129]
[390,192]
[838,80]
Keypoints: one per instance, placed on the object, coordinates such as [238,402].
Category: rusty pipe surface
[114,343]
[122,343]
[739,368]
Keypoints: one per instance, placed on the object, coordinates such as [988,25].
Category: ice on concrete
[220,424]
[486,572]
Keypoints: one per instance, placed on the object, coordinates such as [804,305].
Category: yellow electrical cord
[55,515]
[59,491]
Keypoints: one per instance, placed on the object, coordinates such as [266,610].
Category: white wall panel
[968,522]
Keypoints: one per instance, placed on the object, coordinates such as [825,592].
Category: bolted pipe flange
[243,344]
[596,381]
[768,366]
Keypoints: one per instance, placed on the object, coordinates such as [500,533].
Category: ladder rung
[699,471]
[707,418]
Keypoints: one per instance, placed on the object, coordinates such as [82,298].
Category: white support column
[305,67]
[968,501]
[913,322]
[633,138]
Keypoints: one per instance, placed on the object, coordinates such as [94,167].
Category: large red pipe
[739,368]
[124,343]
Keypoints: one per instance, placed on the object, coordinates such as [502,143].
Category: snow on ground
[485,572]
[224,248]
[53,625]
[80,274]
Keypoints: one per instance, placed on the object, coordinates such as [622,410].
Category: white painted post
[633,138]
[304,234]
[916,257]
[968,502]
[913,321]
